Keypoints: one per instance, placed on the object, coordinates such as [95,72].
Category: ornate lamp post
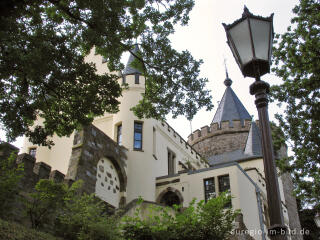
[250,39]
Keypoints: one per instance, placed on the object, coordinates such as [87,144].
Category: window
[154,146]
[137,143]
[119,134]
[32,152]
[224,186]
[123,80]
[171,162]
[136,78]
[209,189]
[224,183]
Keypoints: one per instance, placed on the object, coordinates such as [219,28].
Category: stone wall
[290,200]
[218,139]
[89,147]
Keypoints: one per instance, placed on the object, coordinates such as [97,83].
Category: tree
[43,204]
[211,220]
[43,73]
[297,62]
[10,175]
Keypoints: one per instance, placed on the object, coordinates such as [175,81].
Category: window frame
[136,78]
[228,191]
[33,149]
[119,136]
[171,162]
[134,131]
[207,192]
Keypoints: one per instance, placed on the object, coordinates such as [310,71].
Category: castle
[120,158]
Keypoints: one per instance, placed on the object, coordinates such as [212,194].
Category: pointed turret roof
[129,69]
[230,107]
[253,145]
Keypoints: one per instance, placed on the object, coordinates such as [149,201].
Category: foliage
[57,208]
[14,231]
[306,217]
[297,62]
[200,220]
[10,175]
[45,201]
[43,72]
[85,218]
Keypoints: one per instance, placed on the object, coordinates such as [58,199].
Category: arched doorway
[170,197]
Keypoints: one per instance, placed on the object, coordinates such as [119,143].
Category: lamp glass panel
[261,36]
[240,35]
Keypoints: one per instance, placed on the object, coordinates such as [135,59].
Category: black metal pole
[277,229]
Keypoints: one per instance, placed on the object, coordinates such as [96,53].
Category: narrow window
[224,183]
[33,152]
[123,80]
[171,162]
[137,143]
[209,189]
[154,147]
[224,186]
[136,79]
[119,134]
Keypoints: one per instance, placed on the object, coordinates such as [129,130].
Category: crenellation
[42,170]
[237,124]
[205,131]
[27,160]
[224,125]
[56,176]
[214,127]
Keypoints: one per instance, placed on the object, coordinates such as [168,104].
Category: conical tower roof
[129,69]
[253,145]
[230,107]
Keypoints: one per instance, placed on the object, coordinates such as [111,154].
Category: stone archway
[94,152]
[170,197]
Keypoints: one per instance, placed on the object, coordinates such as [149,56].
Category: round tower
[228,131]
[136,135]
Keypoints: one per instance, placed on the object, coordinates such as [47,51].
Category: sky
[205,38]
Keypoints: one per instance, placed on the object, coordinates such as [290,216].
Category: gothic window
[33,152]
[171,162]
[119,134]
[209,189]
[137,142]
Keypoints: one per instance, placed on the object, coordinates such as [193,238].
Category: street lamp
[250,39]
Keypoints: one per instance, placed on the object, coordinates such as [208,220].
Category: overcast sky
[205,38]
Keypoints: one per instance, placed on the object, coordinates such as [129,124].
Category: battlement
[180,141]
[34,171]
[217,129]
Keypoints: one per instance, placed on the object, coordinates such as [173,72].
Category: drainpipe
[258,193]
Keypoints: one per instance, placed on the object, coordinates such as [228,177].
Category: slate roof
[253,145]
[252,149]
[230,107]
[129,70]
